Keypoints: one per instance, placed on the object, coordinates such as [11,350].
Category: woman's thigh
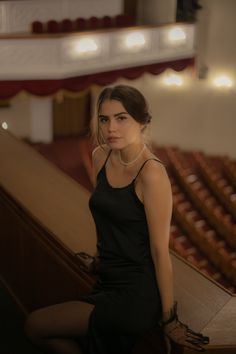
[65,319]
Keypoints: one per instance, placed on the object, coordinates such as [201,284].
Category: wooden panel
[204,305]
[54,199]
[36,269]
[199,298]
[223,326]
[71,114]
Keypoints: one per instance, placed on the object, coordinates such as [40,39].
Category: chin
[115,145]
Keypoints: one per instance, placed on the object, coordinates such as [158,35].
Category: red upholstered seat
[37,27]
[94,23]
[123,20]
[53,26]
[107,22]
[80,24]
[67,25]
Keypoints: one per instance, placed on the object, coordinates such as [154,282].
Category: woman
[132,207]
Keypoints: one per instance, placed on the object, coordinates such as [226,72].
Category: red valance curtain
[10,88]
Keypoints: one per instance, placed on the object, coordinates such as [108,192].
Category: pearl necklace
[133,161]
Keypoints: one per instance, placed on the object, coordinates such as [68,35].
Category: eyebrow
[116,115]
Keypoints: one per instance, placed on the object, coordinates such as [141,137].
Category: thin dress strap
[104,164]
[108,155]
[155,159]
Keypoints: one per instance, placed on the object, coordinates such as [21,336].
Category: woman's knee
[34,327]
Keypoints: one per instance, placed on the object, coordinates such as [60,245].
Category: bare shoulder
[154,176]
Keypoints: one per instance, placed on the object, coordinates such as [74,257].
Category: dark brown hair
[132,100]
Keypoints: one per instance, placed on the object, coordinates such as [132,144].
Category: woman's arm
[157,199]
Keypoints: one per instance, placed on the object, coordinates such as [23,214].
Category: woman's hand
[89,264]
[181,334]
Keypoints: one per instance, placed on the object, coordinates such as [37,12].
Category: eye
[121,118]
[103,120]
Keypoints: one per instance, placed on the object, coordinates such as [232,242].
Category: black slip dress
[126,297]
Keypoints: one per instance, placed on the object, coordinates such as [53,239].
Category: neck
[129,158]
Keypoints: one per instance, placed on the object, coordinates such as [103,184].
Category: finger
[82,254]
[85,259]
[199,337]
[195,336]
[188,344]
[195,333]
[195,346]
[205,339]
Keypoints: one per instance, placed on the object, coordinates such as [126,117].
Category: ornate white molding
[17,16]
[90,52]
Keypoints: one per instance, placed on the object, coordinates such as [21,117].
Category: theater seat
[53,26]
[67,25]
[123,20]
[37,27]
[106,22]
[80,24]
[94,23]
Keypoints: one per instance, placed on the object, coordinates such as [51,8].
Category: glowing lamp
[86,45]
[135,39]
[173,80]
[176,35]
[5,125]
[223,81]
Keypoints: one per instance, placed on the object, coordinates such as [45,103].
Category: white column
[41,125]
[155,12]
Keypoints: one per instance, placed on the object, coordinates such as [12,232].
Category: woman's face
[118,128]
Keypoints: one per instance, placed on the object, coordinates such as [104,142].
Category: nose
[112,126]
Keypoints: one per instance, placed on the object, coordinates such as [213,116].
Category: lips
[111,139]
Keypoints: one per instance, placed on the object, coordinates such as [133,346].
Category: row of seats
[81,24]
[230,170]
[183,246]
[188,247]
[206,240]
[198,260]
[204,200]
[200,231]
[213,211]
[219,185]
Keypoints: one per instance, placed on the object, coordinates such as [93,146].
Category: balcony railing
[67,55]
